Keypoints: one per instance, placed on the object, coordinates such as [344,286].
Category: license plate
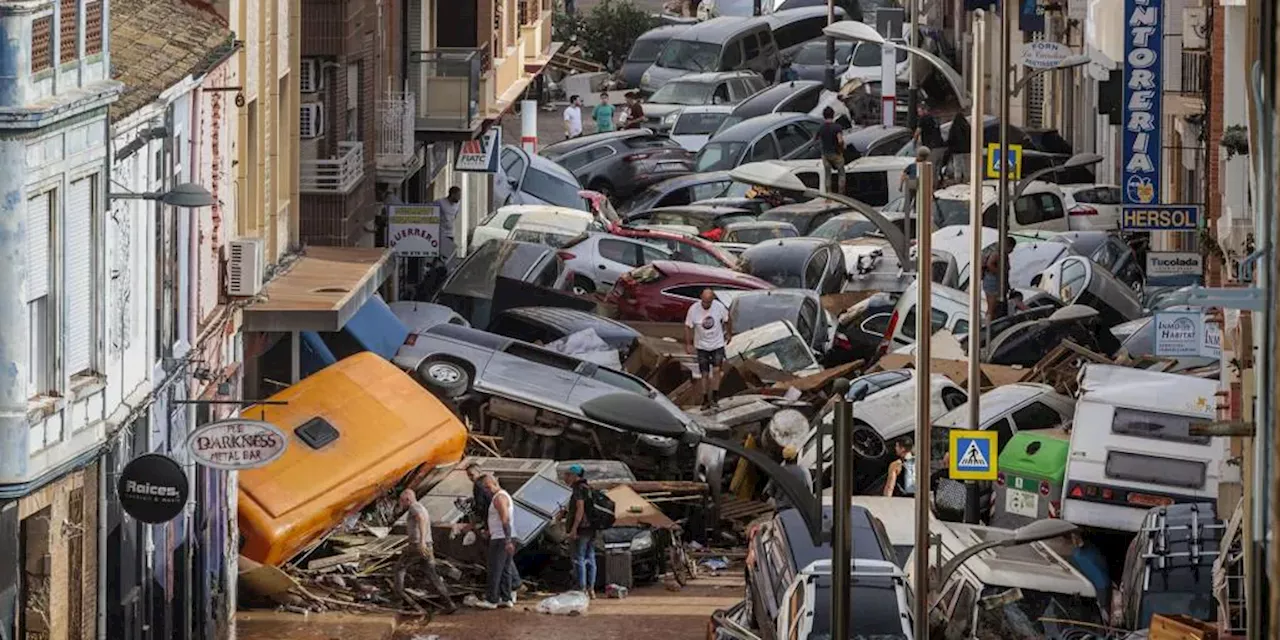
[671,166]
[1022,503]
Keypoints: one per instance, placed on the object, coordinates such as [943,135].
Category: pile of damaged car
[587,350]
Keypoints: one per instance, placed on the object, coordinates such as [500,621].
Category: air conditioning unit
[311,79]
[311,120]
[245,267]
[1195,28]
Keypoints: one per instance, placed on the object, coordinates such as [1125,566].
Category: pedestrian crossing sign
[973,455]
[997,160]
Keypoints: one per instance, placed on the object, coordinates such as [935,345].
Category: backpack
[600,510]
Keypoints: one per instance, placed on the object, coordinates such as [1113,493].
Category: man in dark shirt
[479,494]
[928,132]
[831,137]
[635,112]
[578,526]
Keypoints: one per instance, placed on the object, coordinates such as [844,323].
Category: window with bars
[68,29]
[41,44]
[93,28]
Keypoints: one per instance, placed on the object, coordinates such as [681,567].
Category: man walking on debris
[581,535]
[707,328]
[991,275]
[503,579]
[419,551]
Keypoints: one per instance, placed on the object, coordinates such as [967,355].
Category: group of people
[492,517]
[604,114]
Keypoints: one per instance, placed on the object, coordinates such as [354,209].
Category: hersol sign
[237,444]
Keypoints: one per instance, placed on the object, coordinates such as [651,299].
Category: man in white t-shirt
[573,118]
[707,330]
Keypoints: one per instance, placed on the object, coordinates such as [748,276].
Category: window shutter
[78,253]
[38,246]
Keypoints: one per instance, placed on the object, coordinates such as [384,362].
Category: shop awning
[320,291]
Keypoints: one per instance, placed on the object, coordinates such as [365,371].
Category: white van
[1026,591]
[1131,447]
[950,312]
[1042,206]
[552,226]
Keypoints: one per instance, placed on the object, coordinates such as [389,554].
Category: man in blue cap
[578,527]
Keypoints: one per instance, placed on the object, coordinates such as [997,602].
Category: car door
[513,163]
[614,257]
[791,138]
[532,375]
[811,323]
[765,148]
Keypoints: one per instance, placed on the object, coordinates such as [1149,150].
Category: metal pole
[924,371]
[913,98]
[1006,29]
[975,221]
[829,75]
[840,506]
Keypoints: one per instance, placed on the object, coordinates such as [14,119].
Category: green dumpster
[1032,466]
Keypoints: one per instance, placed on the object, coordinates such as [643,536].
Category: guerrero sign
[1166,217]
[413,231]
[152,488]
[1143,41]
[237,444]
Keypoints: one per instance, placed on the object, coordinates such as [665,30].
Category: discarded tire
[444,378]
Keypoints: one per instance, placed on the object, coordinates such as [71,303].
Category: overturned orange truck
[356,429]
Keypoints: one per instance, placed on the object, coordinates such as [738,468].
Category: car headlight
[671,118]
[642,542]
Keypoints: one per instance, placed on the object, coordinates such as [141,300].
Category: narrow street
[649,612]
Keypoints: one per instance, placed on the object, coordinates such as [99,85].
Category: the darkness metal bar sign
[1143,86]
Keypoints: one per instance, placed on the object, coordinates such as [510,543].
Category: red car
[686,248]
[663,290]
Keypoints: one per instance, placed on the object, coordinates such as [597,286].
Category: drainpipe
[15,34]
[102,546]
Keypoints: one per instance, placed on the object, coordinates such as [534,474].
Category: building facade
[55,89]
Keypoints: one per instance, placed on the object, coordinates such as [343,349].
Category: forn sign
[237,444]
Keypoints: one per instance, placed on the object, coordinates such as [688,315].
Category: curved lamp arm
[897,239]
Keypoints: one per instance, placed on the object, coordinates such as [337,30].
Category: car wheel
[444,378]
[583,286]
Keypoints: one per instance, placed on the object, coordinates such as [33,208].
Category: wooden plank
[1181,627]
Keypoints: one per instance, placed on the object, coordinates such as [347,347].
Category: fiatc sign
[237,444]
[1143,142]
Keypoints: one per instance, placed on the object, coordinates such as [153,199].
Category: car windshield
[550,238]
[1035,615]
[869,55]
[690,56]
[684,93]
[845,228]
[951,212]
[729,122]
[718,156]
[759,310]
[645,50]
[760,234]
[815,53]
[697,124]
[787,354]
[553,190]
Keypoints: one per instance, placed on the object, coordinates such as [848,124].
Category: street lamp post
[778,176]
[1002,225]
[1036,531]
[975,223]
[924,375]
[862,32]
[186,195]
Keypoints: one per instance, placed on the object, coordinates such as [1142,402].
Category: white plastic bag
[569,603]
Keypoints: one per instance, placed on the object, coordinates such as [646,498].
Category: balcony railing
[334,176]
[396,112]
[446,85]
